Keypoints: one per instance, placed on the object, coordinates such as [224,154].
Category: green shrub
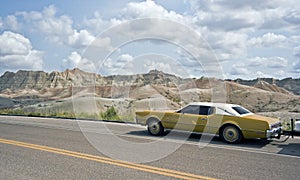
[110,114]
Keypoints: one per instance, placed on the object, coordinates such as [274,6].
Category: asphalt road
[47,148]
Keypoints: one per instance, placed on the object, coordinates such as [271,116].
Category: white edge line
[161,138]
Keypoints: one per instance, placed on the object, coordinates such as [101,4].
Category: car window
[192,109]
[206,110]
[241,110]
[195,109]
[225,111]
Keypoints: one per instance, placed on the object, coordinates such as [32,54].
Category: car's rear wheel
[155,127]
[231,134]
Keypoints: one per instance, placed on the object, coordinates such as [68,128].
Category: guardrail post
[292,128]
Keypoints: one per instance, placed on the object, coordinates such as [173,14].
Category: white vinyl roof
[221,108]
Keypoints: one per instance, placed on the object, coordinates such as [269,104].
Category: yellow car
[232,122]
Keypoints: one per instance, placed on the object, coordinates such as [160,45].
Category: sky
[191,38]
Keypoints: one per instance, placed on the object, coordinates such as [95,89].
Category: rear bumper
[274,133]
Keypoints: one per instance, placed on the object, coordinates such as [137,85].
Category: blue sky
[245,39]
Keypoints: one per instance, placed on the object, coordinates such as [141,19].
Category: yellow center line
[101,159]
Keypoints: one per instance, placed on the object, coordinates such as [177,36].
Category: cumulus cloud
[260,67]
[57,28]
[123,64]
[16,52]
[249,15]
[161,66]
[126,64]
[10,22]
[293,17]
[216,16]
[228,45]
[13,43]
[81,38]
[243,71]
[297,51]
[149,8]
[235,31]
[270,62]
[76,60]
[48,22]
[268,39]
[125,58]
[97,24]
[239,70]
[296,66]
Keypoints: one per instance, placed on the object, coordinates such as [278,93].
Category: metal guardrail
[292,132]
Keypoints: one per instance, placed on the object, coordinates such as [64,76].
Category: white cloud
[13,43]
[102,44]
[277,62]
[293,17]
[149,8]
[296,65]
[259,74]
[281,74]
[12,23]
[222,16]
[57,28]
[97,24]
[239,70]
[268,40]
[228,45]
[123,64]
[50,23]
[161,66]
[125,58]
[80,39]
[16,53]
[297,51]
[243,71]
[31,61]
[260,67]
[76,60]
[270,62]
[247,31]
[247,15]
[1,23]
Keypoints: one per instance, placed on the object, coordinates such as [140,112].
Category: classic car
[230,121]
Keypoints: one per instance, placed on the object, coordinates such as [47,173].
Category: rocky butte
[261,94]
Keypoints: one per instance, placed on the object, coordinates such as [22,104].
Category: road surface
[49,148]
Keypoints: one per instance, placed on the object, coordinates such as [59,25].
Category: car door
[186,118]
[206,115]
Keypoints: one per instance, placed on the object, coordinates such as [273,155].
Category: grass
[21,112]
[110,114]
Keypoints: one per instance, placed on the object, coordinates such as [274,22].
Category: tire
[231,134]
[155,127]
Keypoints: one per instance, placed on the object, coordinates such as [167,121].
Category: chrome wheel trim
[154,127]
[231,134]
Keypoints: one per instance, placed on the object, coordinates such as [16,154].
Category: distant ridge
[289,84]
[39,80]
[261,94]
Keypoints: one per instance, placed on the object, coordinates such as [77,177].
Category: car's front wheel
[231,134]
[155,127]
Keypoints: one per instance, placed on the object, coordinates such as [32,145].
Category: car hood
[262,118]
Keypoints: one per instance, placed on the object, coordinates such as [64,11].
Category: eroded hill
[153,90]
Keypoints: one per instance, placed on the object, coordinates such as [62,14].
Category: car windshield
[241,110]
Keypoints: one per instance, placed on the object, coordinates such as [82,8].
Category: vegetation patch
[111,114]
